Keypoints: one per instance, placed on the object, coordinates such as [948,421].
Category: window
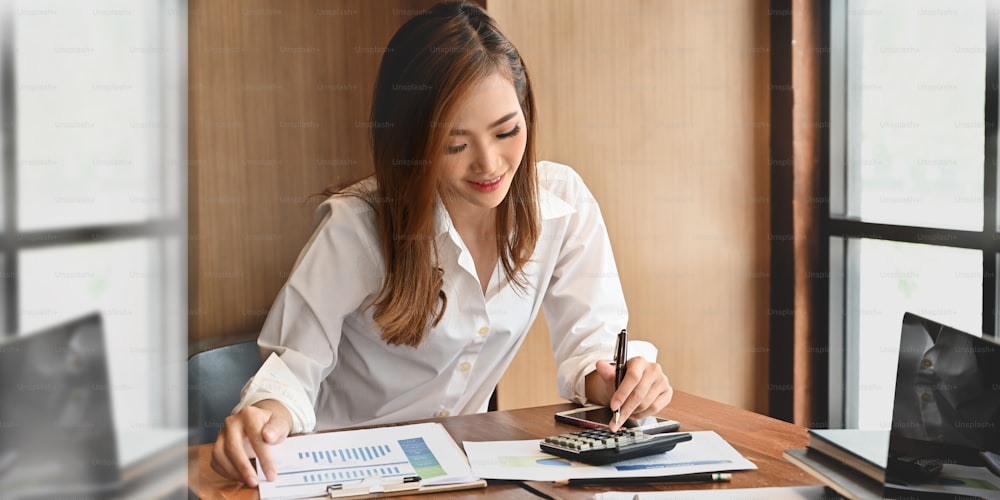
[94,161]
[912,174]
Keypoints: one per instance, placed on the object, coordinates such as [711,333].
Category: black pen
[621,354]
[712,477]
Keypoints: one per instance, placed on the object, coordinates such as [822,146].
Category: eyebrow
[508,116]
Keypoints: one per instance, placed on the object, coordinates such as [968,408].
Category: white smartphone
[599,417]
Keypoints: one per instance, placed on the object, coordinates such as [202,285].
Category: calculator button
[600,446]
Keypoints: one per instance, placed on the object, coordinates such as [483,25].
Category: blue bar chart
[396,457]
[344,455]
[345,465]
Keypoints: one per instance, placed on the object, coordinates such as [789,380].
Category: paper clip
[373,485]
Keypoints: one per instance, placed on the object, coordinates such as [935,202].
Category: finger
[606,374]
[618,398]
[651,382]
[669,394]
[274,431]
[655,398]
[606,371]
[234,448]
[221,463]
[636,399]
[658,404]
[633,377]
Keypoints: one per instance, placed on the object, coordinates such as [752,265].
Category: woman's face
[484,148]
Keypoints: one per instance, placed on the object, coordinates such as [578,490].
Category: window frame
[165,231]
[838,233]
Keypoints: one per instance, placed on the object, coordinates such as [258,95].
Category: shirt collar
[550,206]
[442,221]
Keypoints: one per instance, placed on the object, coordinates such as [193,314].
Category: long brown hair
[427,67]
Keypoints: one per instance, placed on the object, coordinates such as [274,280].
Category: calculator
[601,446]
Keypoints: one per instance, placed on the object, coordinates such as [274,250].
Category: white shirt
[331,368]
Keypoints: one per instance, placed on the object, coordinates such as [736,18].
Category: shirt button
[484,330]
[465,366]
[441,413]
[927,363]
[925,396]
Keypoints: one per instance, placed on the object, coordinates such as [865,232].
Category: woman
[419,284]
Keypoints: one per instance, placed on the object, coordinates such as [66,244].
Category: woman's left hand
[644,391]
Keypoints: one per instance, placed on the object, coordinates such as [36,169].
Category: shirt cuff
[275,381]
[642,348]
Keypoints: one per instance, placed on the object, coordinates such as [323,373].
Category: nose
[487,159]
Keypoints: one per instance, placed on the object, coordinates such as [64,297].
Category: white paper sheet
[523,460]
[773,493]
[308,464]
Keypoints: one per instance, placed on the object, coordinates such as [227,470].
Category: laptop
[945,436]
[57,434]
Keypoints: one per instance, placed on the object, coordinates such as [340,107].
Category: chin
[490,203]
[495,202]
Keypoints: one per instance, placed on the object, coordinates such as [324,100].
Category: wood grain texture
[662,107]
[278,110]
[760,439]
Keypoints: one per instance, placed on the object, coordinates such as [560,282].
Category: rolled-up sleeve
[335,274]
[274,380]
[584,304]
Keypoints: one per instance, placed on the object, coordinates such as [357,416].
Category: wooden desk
[759,438]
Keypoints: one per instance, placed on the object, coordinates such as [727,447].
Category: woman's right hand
[247,433]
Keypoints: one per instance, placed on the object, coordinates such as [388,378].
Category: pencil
[713,477]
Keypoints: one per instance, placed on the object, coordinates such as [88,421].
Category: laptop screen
[945,435]
[56,430]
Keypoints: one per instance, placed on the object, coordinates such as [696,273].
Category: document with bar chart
[347,460]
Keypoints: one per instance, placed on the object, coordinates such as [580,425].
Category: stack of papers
[523,460]
[772,493]
[849,461]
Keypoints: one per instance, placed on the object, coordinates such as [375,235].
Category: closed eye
[514,131]
[451,150]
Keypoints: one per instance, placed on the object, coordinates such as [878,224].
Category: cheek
[449,167]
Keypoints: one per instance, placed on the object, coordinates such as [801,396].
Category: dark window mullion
[833,184]
[8,134]
[957,238]
[990,117]
[42,238]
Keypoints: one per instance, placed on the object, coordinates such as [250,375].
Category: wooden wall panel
[662,106]
[278,105]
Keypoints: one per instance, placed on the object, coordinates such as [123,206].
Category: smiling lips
[487,186]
